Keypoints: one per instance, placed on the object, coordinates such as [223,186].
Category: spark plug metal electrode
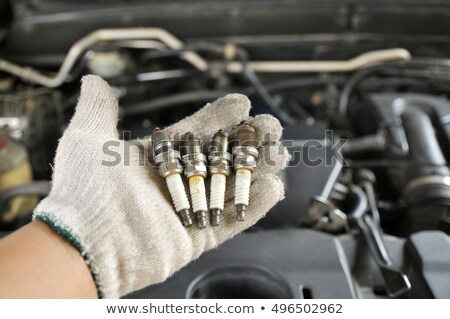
[245,154]
[196,171]
[168,161]
[219,167]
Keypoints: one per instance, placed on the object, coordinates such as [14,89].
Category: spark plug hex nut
[169,163]
[195,165]
[245,157]
[219,157]
[219,163]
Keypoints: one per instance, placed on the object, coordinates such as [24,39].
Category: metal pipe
[102,35]
[368,143]
[358,62]
[40,188]
[396,282]
[423,145]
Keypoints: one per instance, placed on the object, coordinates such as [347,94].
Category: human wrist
[42,264]
[67,256]
[72,233]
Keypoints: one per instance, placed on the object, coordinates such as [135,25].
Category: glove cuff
[69,235]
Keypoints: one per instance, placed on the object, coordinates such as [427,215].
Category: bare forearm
[38,263]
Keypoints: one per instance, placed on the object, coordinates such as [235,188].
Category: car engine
[361,88]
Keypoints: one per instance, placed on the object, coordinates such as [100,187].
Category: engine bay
[362,90]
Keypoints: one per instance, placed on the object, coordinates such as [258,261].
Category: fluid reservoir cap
[108,64]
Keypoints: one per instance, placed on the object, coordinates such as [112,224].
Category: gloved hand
[120,217]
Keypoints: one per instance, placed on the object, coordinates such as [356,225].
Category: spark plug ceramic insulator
[170,168]
[219,168]
[245,154]
[195,171]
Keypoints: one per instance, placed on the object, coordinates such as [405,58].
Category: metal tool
[396,282]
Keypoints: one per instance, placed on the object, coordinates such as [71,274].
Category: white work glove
[120,217]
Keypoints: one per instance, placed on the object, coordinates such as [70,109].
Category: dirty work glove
[119,215]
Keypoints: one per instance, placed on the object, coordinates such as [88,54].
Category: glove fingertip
[272,185]
[268,128]
[97,109]
[266,191]
[93,85]
[273,158]
[240,101]
[229,110]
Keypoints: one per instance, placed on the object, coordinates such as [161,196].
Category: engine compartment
[361,89]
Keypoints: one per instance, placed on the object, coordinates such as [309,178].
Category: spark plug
[170,168]
[219,168]
[245,154]
[195,171]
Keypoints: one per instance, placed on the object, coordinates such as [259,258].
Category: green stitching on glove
[76,243]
